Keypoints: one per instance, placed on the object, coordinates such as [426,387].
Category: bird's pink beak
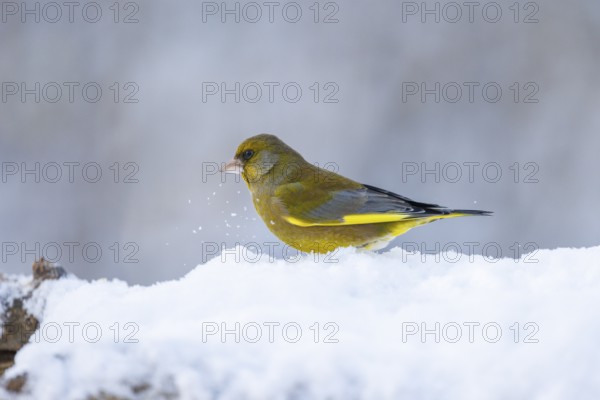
[232,167]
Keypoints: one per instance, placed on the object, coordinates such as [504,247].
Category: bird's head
[258,157]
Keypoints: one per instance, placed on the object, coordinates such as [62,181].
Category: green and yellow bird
[313,209]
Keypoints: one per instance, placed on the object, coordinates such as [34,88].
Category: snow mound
[358,326]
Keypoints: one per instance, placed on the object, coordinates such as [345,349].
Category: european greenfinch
[316,210]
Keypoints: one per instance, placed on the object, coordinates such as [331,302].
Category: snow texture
[371,310]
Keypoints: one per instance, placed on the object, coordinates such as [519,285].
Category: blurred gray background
[375,133]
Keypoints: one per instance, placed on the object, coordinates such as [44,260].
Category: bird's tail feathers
[467,213]
[449,213]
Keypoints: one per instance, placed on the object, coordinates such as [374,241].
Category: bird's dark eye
[246,155]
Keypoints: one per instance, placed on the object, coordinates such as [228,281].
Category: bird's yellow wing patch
[353,219]
[359,219]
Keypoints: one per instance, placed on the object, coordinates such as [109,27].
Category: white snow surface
[365,304]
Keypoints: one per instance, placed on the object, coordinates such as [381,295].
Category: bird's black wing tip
[403,198]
